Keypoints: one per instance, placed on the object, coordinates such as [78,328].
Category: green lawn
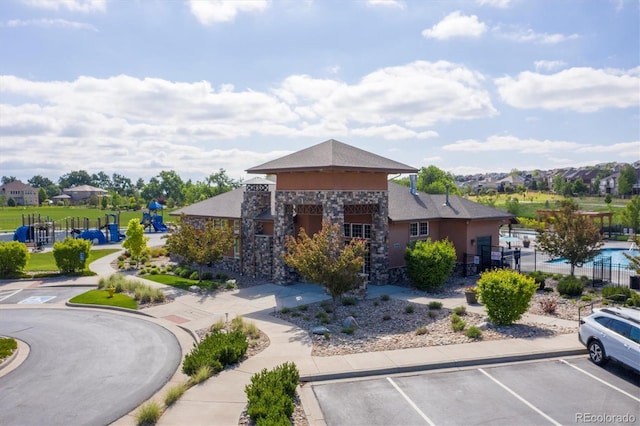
[181,283]
[101,297]
[11,217]
[45,262]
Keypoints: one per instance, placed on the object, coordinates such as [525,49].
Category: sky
[136,87]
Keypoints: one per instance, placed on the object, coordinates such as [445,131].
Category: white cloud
[85,6]
[456,25]
[494,3]
[544,65]
[578,89]
[214,11]
[49,23]
[392,132]
[400,4]
[549,149]
[418,94]
[530,36]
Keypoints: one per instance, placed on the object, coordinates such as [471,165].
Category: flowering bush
[471,289]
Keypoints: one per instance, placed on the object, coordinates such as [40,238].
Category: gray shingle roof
[404,206]
[332,155]
[225,205]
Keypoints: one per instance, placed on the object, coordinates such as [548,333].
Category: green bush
[506,294]
[616,293]
[460,310]
[539,277]
[7,346]
[435,305]
[14,257]
[194,276]
[207,275]
[348,300]
[271,393]
[216,350]
[173,394]
[430,263]
[474,332]
[72,254]
[409,309]
[570,286]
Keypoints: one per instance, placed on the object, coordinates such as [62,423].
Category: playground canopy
[154,205]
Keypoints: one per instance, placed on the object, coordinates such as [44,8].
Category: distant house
[346,185]
[83,193]
[21,193]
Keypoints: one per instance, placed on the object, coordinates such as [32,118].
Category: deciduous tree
[135,242]
[326,259]
[201,246]
[570,235]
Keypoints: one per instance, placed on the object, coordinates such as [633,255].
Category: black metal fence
[602,271]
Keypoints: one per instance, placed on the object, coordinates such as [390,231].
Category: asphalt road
[85,367]
[572,391]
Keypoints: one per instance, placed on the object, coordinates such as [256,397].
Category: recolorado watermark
[603,418]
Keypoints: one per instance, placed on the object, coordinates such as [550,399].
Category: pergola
[591,215]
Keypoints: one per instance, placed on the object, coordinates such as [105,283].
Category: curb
[437,366]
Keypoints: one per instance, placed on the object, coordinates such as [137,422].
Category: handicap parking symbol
[36,300]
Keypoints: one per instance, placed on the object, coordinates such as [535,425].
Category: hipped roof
[332,155]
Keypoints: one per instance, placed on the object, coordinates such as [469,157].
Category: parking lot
[568,391]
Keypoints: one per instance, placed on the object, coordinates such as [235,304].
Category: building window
[236,248]
[367,231]
[347,230]
[236,226]
[356,230]
[417,229]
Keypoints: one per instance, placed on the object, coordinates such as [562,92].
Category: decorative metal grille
[310,209]
[360,209]
[257,187]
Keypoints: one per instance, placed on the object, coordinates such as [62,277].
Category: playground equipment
[153,219]
[35,231]
[81,229]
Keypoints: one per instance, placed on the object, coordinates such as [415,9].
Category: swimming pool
[616,254]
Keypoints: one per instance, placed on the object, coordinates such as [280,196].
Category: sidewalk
[221,399]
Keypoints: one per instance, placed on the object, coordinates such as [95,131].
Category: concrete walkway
[221,399]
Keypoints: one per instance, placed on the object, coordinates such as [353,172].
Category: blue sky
[136,87]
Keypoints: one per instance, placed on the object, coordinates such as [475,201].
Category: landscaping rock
[350,322]
[320,329]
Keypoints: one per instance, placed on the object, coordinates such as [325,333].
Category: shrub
[549,304]
[570,286]
[435,305]
[409,309]
[71,255]
[506,294]
[186,273]
[148,414]
[271,393]
[303,308]
[460,310]
[433,313]
[422,330]
[14,257]
[248,328]
[385,297]
[348,330]
[285,310]
[430,263]
[539,277]
[386,317]
[173,394]
[207,275]
[194,276]
[349,300]
[473,332]
[616,293]
[7,346]
[216,350]
[457,324]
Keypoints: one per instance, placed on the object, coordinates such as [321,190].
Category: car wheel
[596,353]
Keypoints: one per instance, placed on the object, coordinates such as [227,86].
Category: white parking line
[600,380]
[413,405]
[11,293]
[524,401]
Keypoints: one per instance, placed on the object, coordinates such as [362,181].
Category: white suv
[612,333]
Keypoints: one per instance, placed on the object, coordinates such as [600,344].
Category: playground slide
[159,227]
[21,234]
[93,235]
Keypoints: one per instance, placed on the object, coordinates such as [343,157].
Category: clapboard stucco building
[346,185]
